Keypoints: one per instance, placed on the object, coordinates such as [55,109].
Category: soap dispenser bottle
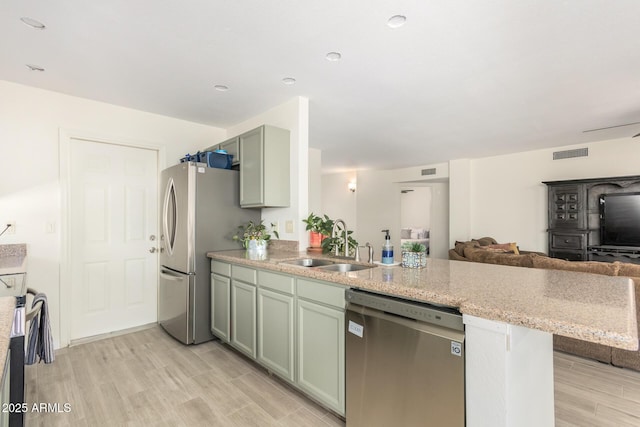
[387,249]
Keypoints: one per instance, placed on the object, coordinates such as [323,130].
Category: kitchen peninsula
[510,314]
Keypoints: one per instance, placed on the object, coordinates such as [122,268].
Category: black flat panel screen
[620,219]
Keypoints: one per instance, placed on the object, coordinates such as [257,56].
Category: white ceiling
[461,79]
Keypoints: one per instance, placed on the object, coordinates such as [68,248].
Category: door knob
[153,250]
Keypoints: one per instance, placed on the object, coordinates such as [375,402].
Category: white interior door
[113,225]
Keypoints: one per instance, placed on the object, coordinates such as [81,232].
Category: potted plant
[414,255]
[254,235]
[319,228]
[329,243]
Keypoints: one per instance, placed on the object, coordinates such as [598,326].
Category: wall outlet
[288,226]
[12,227]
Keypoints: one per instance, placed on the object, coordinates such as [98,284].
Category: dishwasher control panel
[447,317]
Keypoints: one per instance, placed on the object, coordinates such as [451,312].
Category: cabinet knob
[566,240]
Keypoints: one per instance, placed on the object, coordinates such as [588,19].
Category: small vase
[414,259]
[257,249]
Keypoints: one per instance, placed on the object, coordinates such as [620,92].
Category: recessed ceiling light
[221,88]
[34,67]
[333,56]
[396,21]
[33,23]
[288,80]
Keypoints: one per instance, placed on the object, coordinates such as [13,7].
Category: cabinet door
[243,317]
[231,146]
[567,206]
[220,305]
[252,168]
[275,332]
[321,353]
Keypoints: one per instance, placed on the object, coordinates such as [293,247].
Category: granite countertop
[13,269]
[13,259]
[589,307]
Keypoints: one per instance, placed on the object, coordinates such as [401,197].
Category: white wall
[315,181]
[415,207]
[292,115]
[375,205]
[30,120]
[439,234]
[459,200]
[378,208]
[337,201]
[509,202]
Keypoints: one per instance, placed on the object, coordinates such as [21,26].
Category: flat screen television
[620,219]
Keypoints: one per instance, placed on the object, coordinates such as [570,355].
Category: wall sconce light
[352,186]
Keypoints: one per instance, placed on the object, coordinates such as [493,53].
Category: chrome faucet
[346,237]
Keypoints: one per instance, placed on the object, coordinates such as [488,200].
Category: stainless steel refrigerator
[199,213]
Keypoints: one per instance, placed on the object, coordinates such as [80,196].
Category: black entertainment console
[630,254]
[575,219]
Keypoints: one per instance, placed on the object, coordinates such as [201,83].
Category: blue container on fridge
[216,160]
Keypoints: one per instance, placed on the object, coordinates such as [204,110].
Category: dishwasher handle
[416,325]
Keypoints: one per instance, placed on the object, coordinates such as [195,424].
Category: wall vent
[568,154]
[430,171]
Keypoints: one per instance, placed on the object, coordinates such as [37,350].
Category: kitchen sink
[309,262]
[343,268]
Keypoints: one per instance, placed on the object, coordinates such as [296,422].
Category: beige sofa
[476,251]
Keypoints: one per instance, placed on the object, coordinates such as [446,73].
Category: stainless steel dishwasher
[404,362]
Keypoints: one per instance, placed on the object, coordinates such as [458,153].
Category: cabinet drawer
[244,274]
[221,268]
[277,282]
[566,216]
[567,197]
[321,292]
[567,255]
[567,241]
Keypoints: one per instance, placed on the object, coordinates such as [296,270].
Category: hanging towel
[40,339]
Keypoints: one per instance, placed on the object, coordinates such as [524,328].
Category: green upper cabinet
[231,146]
[264,168]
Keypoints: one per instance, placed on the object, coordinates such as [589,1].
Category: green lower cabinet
[276,332]
[220,305]
[321,353]
[243,317]
[291,325]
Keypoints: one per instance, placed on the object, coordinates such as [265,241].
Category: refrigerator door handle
[169,220]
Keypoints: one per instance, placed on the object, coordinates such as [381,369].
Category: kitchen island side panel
[509,375]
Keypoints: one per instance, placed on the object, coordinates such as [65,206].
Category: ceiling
[460,79]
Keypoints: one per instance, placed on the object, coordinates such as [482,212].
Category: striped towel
[40,339]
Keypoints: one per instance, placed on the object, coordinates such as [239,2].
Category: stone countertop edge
[7,306]
[588,307]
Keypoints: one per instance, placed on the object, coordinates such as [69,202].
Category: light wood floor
[589,393]
[148,379]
